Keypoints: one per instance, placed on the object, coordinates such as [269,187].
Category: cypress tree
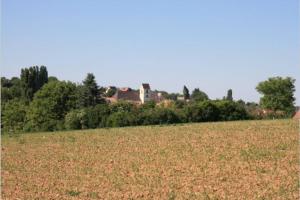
[229,95]
[186,93]
[90,91]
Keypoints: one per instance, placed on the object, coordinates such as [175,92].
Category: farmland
[223,160]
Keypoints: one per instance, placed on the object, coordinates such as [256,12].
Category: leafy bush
[230,110]
[147,106]
[201,112]
[158,115]
[209,111]
[97,116]
[91,117]
[103,112]
[199,95]
[122,106]
[145,117]
[165,116]
[120,119]
[14,113]
[72,120]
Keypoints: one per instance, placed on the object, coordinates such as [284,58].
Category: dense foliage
[32,79]
[198,95]
[50,105]
[278,94]
[14,113]
[10,89]
[36,102]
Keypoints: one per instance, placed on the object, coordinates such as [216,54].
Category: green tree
[198,95]
[278,94]
[50,105]
[89,94]
[111,91]
[230,110]
[16,90]
[14,113]
[5,82]
[72,120]
[52,78]
[201,112]
[77,119]
[209,111]
[81,101]
[97,116]
[42,76]
[229,95]
[147,105]
[120,119]
[32,79]
[10,89]
[122,106]
[5,95]
[186,93]
[103,113]
[166,116]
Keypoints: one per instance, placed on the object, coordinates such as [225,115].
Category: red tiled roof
[127,95]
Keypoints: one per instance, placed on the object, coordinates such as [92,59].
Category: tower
[145,92]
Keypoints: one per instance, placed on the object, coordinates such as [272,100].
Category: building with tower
[141,96]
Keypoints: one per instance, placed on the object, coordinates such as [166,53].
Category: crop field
[224,160]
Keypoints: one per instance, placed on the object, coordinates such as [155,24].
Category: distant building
[145,93]
[140,96]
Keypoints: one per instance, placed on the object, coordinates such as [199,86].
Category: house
[144,94]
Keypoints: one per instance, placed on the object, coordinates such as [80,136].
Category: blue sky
[211,44]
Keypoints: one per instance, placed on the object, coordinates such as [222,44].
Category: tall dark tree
[43,76]
[229,95]
[26,84]
[198,95]
[32,79]
[278,94]
[89,92]
[186,93]
[81,99]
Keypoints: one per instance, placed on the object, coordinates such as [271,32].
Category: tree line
[36,102]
